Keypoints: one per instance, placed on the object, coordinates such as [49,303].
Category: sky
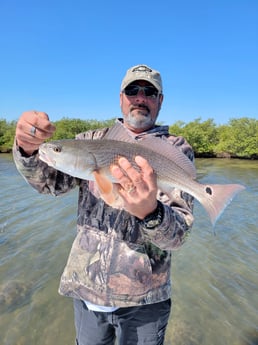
[68,58]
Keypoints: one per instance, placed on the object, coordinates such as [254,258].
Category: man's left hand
[137,188]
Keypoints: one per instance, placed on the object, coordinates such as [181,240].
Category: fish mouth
[45,158]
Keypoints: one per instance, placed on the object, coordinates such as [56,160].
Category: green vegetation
[68,128]
[238,138]
[203,136]
[7,132]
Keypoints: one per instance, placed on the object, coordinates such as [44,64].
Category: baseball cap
[142,72]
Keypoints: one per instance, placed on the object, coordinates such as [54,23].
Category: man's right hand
[33,128]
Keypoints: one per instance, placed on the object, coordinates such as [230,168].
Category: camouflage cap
[142,72]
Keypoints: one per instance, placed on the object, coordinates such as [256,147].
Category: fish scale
[81,158]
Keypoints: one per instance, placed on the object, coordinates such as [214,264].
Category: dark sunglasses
[149,91]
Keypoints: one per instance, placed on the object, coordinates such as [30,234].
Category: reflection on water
[214,274]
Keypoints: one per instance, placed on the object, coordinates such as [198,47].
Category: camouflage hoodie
[114,261]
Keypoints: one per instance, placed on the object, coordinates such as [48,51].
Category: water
[214,274]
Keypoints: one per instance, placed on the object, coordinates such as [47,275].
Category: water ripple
[215,276]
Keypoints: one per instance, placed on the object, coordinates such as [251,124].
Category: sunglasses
[133,90]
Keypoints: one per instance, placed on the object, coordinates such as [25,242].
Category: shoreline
[222,155]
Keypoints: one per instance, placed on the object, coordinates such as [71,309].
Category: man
[118,271]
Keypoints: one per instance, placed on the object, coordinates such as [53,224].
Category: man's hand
[32,129]
[137,188]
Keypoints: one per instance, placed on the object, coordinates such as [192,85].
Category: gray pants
[132,326]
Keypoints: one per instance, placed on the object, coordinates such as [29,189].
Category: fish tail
[220,197]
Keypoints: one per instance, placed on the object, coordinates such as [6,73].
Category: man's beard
[142,120]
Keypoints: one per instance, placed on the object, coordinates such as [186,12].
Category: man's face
[140,110]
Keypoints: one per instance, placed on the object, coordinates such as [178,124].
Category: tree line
[237,139]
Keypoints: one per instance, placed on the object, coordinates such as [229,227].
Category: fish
[91,159]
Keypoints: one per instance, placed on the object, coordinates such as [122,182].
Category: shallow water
[214,274]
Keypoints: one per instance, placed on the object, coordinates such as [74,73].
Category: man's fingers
[125,174]
[144,165]
[36,139]
[35,124]
[117,172]
[41,114]
[32,129]
[40,120]
[138,185]
[133,174]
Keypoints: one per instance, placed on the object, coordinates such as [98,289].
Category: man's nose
[141,95]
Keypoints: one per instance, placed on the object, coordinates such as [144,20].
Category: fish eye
[57,149]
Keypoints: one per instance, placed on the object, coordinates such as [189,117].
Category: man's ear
[161,97]
[121,95]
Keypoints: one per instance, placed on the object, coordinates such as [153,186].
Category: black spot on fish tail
[218,197]
[208,190]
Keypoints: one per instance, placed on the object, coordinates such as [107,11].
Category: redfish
[91,159]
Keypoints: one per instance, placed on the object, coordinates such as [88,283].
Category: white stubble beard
[144,121]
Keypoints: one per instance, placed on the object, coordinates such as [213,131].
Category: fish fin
[171,152]
[162,147]
[104,184]
[120,133]
[105,187]
[219,197]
